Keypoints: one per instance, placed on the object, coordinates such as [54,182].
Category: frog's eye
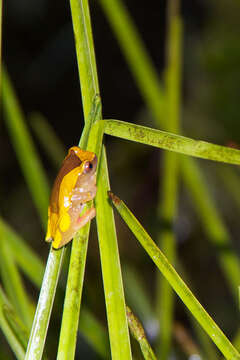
[87,167]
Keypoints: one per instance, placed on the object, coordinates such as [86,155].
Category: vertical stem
[85,53]
[111,269]
[92,113]
[69,328]
[44,307]
[168,196]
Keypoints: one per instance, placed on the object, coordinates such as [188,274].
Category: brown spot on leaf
[114,198]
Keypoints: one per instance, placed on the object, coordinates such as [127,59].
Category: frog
[74,187]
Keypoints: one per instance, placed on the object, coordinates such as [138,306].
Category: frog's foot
[85,218]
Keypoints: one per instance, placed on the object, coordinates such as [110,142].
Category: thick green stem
[85,53]
[44,307]
[92,112]
[111,270]
[67,344]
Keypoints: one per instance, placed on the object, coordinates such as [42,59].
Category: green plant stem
[169,178]
[25,257]
[192,176]
[92,112]
[33,268]
[89,140]
[44,307]
[11,336]
[135,52]
[136,295]
[67,344]
[14,322]
[208,349]
[24,148]
[13,282]
[172,142]
[85,53]
[176,282]
[89,86]
[48,139]
[95,139]
[146,77]
[139,334]
[111,269]
[37,183]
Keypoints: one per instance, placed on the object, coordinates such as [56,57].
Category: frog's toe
[49,239]
[86,217]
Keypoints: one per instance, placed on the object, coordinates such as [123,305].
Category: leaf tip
[114,198]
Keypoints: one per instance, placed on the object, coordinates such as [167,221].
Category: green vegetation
[29,336]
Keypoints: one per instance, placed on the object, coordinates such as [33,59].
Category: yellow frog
[74,186]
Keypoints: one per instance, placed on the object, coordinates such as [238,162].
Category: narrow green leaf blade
[68,334]
[92,112]
[16,325]
[168,199]
[44,306]
[47,137]
[85,53]
[139,334]
[111,269]
[172,142]
[176,282]
[12,338]
[25,257]
[12,281]
[24,148]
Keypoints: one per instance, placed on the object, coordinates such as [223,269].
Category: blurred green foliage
[45,80]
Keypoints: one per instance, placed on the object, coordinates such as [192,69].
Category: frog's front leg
[70,222]
[85,218]
[79,217]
